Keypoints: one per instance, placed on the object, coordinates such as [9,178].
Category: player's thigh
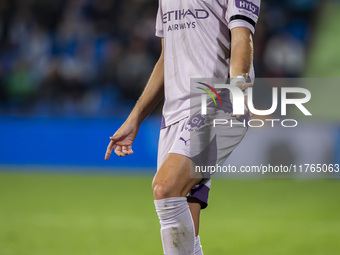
[173,177]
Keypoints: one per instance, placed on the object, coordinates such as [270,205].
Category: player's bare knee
[160,191]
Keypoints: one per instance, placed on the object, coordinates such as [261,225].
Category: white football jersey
[197,44]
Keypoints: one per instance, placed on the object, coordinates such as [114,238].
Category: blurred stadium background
[70,72]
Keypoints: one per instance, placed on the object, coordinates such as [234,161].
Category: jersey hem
[159,33]
[173,122]
[241,23]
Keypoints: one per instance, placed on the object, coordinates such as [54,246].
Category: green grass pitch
[71,214]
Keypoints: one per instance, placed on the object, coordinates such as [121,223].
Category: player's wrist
[236,75]
[240,79]
[237,79]
[134,119]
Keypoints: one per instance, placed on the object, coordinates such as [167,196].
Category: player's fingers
[118,151]
[239,116]
[130,151]
[116,136]
[109,150]
[247,85]
[244,85]
[247,106]
[125,149]
[236,116]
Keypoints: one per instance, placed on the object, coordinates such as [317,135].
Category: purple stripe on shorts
[201,193]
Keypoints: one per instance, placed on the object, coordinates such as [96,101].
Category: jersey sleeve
[159,21]
[243,13]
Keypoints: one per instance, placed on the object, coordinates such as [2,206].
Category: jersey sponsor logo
[181,26]
[248,6]
[173,17]
[181,14]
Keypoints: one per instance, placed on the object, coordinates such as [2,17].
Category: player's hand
[122,140]
[243,86]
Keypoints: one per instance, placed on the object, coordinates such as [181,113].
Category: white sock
[198,246]
[177,226]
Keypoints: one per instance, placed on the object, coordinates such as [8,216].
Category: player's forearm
[241,53]
[152,94]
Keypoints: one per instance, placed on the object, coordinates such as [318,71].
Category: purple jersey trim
[159,33]
[163,122]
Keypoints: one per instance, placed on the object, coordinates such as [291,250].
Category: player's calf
[171,184]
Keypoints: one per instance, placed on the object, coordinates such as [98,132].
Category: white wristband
[234,81]
[239,78]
